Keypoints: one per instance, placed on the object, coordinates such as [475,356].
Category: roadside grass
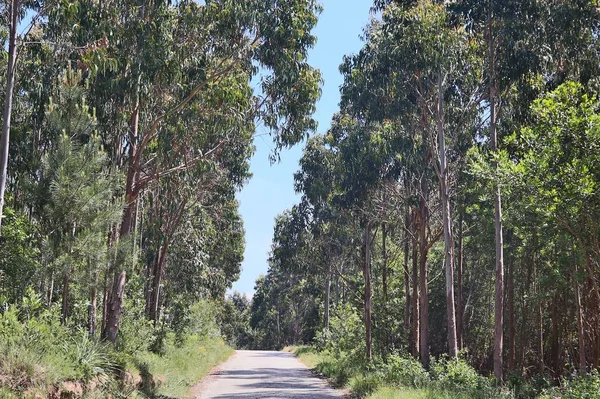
[398,378]
[175,373]
[389,392]
[307,355]
[399,393]
[41,358]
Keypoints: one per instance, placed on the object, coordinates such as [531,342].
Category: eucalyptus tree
[15,11]
[524,39]
[413,67]
[559,151]
[149,77]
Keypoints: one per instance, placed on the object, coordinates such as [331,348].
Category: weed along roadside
[402,377]
[40,358]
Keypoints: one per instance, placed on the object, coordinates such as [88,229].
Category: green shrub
[455,374]
[90,358]
[405,371]
[203,319]
[583,387]
[365,384]
[335,369]
[345,334]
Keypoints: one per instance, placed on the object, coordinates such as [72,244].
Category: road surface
[264,375]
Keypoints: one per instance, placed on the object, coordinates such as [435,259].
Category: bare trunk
[447,223]
[540,338]
[156,281]
[512,345]
[367,293]
[555,338]
[104,301]
[406,274]
[8,99]
[580,327]
[424,297]
[327,297]
[416,317]
[115,305]
[150,283]
[384,261]
[64,310]
[51,289]
[92,307]
[525,318]
[499,298]
[459,294]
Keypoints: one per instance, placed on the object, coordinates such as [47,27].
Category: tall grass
[182,366]
[403,377]
[40,357]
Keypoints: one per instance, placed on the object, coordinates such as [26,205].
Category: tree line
[127,131]
[452,207]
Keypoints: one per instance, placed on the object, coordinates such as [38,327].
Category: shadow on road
[271,383]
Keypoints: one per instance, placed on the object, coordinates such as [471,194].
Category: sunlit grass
[306,354]
[183,367]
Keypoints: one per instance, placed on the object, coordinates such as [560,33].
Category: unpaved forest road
[264,375]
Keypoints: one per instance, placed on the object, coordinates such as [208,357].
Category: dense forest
[127,131]
[452,208]
[448,228]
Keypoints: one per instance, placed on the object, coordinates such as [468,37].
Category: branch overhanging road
[265,375]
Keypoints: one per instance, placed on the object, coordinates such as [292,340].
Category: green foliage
[43,351]
[345,334]
[234,321]
[405,371]
[582,387]
[458,376]
[19,255]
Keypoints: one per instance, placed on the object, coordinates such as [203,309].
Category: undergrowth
[40,357]
[400,376]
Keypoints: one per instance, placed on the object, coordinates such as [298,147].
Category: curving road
[264,375]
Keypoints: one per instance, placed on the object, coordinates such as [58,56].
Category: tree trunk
[384,263]
[156,280]
[541,367]
[447,223]
[115,305]
[424,297]
[13,12]
[92,307]
[51,289]
[512,345]
[367,293]
[327,296]
[104,301]
[555,338]
[406,273]
[416,317]
[499,298]
[525,317]
[459,286]
[64,310]
[580,327]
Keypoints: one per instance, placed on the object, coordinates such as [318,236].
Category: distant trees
[131,133]
[463,149]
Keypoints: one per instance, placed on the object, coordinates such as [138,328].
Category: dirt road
[264,375]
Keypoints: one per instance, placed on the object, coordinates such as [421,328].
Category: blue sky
[271,189]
